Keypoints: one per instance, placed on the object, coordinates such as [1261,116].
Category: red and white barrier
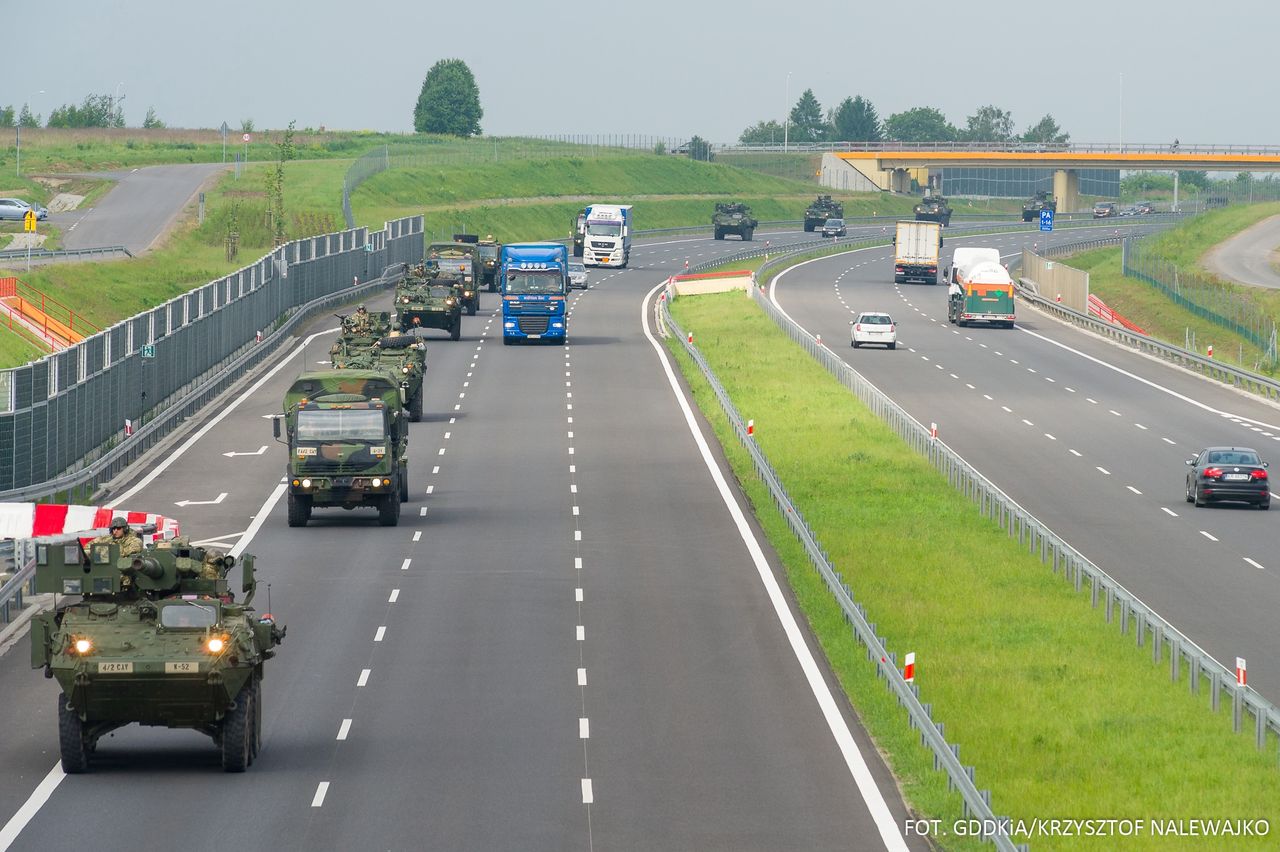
[28,520]
[751,427]
[909,670]
[1240,671]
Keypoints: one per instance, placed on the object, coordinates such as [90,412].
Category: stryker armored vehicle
[1042,200]
[348,437]
[933,208]
[403,356]
[462,262]
[426,299]
[734,218]
[155,638]
[820,211]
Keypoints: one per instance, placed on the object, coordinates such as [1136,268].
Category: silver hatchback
[16,209]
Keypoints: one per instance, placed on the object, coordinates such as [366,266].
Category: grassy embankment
[1060,716]
[1185,245]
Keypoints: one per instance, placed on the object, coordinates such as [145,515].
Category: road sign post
[1046,220]
[29,226]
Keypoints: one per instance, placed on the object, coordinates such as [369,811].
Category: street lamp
[17,134]
[786,112]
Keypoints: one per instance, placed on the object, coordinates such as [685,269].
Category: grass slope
[1059,715]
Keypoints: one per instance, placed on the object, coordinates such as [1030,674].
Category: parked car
[1233,474]
[873,327]
[577,275]
[834,228]
[1105,210]
[16,208]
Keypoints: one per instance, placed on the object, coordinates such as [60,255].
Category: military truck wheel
[404,484]
[255,746]
[808,229]
[237,736]
[389,510]
[299,509]
[71,739]
[415,407]
[748,234]
[719,234]
[471,308]
[455,332]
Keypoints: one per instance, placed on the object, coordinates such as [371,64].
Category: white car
[874,327]
[577,275]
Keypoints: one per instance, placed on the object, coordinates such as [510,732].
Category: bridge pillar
[1066,189]
[900,181]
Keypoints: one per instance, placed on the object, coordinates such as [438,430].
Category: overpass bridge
[891,166]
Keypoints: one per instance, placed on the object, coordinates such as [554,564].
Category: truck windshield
[439,292]
[604,229]
[489,252]
[343,425]
[523,283]
[188,614]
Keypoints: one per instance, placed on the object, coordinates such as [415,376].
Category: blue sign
[1046,220]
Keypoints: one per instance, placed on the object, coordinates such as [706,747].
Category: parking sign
[1046,220]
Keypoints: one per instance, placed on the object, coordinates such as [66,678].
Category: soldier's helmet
[360,310]
[119,523]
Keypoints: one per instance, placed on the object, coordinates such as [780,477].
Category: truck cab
[608,235]
[534,281]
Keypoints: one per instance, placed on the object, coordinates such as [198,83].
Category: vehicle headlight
[404,300]
[215,644]
[404,370]
[82,645]
[306,483]
[449,301]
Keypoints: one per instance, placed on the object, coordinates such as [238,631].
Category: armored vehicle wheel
[415,407]
[471,308]
[404,485]
[719,234]
[237,733]
[748,234]
[456,331]
[71,739]
[256,745]
[299,509]
[389,510]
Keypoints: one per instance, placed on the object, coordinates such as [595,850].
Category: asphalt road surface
[571,641]
[1090,437]
[1250,257]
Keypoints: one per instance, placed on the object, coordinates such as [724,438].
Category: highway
[1089,437]
[569,642]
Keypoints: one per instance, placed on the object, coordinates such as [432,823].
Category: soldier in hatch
[360,321]
[122,535]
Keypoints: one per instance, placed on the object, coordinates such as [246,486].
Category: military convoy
[734,218]
[933,208]
[461,262]
[401,355]
[428,299]
[1042,200]
[820,211]
[155,638]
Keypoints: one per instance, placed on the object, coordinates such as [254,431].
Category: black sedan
[1228,473]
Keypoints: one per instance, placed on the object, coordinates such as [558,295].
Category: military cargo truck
[401,355]
[1042,200]
[579,232]
[426,300]
[820,211]
[155,638]
[734,218]
[461,261]
[933,208]
[348,437]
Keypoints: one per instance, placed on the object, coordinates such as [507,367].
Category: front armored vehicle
[820,211]
[460,261]
[933,208]
[428,300]
[401,355]
[156,638]
[734,218]
[1042,200]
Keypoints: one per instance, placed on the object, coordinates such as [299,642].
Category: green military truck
[820,211]
[426,300]
[933,208]
[348,437]
[734,218]
[579,232]
[401,355]
[460,261]
[1042,200]
[156,638]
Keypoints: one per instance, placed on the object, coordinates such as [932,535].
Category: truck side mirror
[275,427]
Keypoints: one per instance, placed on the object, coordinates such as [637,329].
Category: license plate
[306,451]
[115,668]
[533,336]
[185,667]
[1236,477]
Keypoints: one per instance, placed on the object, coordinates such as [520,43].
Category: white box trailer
[916,248]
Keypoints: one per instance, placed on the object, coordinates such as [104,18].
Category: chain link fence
[78,417]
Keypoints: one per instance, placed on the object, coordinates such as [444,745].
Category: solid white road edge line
[884,820]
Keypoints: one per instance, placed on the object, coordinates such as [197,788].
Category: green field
[1060,715]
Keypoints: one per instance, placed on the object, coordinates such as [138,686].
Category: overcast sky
[660,67]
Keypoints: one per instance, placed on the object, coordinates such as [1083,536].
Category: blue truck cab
[534,280]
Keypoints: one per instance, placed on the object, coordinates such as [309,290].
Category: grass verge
[1060,716]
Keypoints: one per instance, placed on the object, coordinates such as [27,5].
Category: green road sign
[148,350]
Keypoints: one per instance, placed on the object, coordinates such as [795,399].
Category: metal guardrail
[946,756]
[61,254]
[20,556]
[1006,147]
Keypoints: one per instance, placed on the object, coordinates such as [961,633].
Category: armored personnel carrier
[155,638]
[933,208]
[460,261]
[403,356]
[426,299]
[820,211]
[1042,200]
[734,218]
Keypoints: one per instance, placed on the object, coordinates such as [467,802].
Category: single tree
[920,124]
[26,118]
[449,101]
[855,120]
[762,133]
[700,149]
[151,122]
[807,124]
[8,117]
[988,124]
[1046,132]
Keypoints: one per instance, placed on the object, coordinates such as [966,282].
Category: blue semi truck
[534,280]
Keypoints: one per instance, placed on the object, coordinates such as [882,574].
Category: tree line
[855,119]
[93,111]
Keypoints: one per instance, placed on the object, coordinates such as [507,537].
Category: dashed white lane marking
[1208,535]
[462,395]
[1116,413]
[382,631]
[1140,426]
[1134,490]
[1169,512]
[430,489]
[575,510]
[452,420]
[582,677]
[1090,400]
[570,436]
[1254,564]
[457,408]
[404,566]
[1104,471]
[987,396]
[1028,422]
[448,435]
[577,595]
[435,469]
[364,677]
[422,511]
[321,791]
[573,488]
[395,595]
[571,451]
[969,386]
[344,729]
[582,633]
[577,563]
[1050,437]
[573,468]
[577,535]
[417,534]
[1007,409]
[584,729]
[441,451]
[1076,453]
[1168,440]
[588,797]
